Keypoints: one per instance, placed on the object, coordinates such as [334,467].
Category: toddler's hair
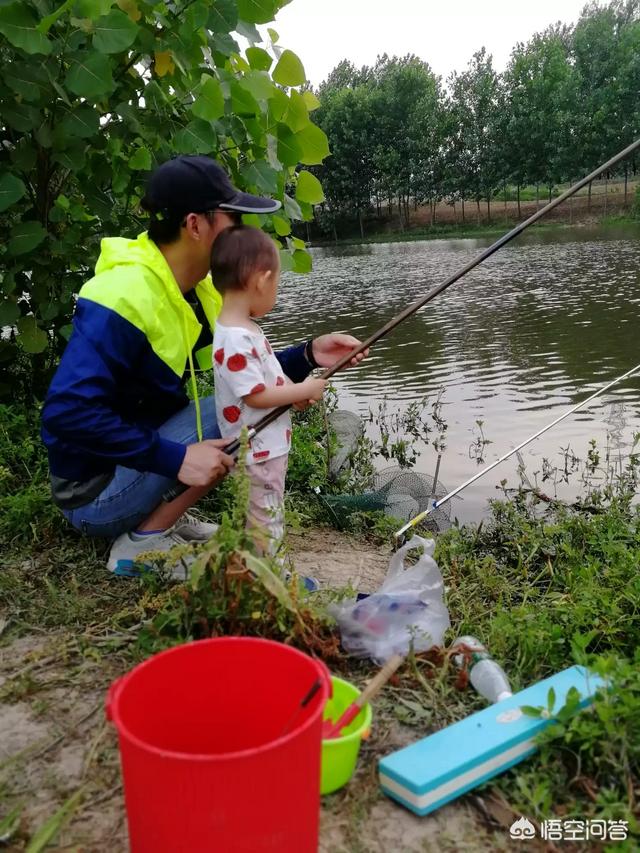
[237,253]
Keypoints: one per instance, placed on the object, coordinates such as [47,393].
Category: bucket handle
[326,675]
[111,695]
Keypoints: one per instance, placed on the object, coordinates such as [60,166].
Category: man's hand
[205,463]
[327,349]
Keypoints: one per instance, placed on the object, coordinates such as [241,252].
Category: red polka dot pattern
[236,362]
[257,388]
[219,355]
[279,381]
[288,436]
[254,352]
[231,414]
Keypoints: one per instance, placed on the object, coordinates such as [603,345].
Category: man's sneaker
[309,583]
[124,555]
[192,529]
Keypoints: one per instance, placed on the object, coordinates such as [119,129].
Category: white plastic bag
[407,611]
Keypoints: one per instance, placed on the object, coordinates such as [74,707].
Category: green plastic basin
[340,755]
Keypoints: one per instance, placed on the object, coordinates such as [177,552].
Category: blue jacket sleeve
[294,363]
[84,403]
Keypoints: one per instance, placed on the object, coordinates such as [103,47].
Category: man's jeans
[131,496]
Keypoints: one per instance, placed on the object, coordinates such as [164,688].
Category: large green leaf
[289,71]
[278,105]
[9,313]
[209,100]
[83,121]
[114,32]
[314,145]
[256,11]
[261,175]
[22,117]
[242,102]
[18,24]
[292,208]
[309,188]
[31,337]
[289,150]
[28,79]
[11,190]
[72,156]
[258,84]
[259,58]
[92,8]
[297,113]
[141,159]
[90,75]
[198,137]
[302,262]
[25,236]
[282,226]
[311,101]
[248,31]
[223,16]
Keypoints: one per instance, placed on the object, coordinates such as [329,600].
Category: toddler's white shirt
[244,363]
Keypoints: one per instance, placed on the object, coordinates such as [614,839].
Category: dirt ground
[54,742]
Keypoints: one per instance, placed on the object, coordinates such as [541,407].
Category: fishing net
[397,492]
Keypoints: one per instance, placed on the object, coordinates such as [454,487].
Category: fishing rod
[233,447]
[437,504]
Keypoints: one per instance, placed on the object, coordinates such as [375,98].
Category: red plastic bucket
[205,765]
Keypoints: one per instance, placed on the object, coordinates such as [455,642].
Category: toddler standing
[249,380]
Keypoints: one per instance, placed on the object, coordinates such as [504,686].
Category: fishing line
[436,504]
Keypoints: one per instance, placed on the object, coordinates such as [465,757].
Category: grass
[542,584]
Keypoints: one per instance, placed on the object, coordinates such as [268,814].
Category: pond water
[529,333]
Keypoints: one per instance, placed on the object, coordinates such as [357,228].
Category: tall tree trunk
[389,207]
[433,215]
[589,197]
[489,209]
[626,184]
[400,212]
[463,219]
[455,213]
[478,211]
[550,191]
[606,190]
[308,234]
[504,190]
[360,223]
[335,233]
[571,210]
[537,196]
[519,212]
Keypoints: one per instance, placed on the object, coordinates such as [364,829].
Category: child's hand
[313,389]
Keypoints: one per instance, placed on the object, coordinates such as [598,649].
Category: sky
[445,33]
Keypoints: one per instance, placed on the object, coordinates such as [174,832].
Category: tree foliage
[569,98]
[95,93]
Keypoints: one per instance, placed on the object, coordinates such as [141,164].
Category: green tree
[541,106]
[473,119]
[93,93]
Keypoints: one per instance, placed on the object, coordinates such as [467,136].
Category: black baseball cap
[196,184]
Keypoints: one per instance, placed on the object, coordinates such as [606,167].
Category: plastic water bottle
[485,674]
